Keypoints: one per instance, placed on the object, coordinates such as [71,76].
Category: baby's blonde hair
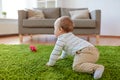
[65,23]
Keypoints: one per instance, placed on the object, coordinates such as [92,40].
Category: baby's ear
[60,29]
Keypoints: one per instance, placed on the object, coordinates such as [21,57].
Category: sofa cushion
[50,13]
[79,14]
[84,23]
[41,23]
[35,14]
[65,11]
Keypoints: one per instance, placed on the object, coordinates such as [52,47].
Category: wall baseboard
[7,35]
[109,36]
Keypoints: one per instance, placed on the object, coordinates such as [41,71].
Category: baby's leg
[91,68]
[85,62]
[87,67]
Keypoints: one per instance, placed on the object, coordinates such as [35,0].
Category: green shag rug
[17,62]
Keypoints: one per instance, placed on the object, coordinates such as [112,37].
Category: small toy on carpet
[33,48]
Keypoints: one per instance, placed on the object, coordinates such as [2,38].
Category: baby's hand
[47,64]
[59,58]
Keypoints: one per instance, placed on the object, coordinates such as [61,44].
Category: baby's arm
[55,53]
[63,55]
[53,57]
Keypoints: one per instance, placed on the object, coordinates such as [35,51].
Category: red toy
[33,48]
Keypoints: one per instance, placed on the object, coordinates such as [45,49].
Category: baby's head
[63,25]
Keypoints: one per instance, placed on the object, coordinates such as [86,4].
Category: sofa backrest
[50,13]
[65,11]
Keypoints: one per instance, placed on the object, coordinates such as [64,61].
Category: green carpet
[17,62]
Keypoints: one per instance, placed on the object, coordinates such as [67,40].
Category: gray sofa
[89,26]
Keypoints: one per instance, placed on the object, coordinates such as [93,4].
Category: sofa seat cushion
[84,23]
[43,23]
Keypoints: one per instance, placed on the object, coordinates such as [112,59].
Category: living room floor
[51,39]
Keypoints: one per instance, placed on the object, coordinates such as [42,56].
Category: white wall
[12,8]
[0,7]
[8,26]
[110,19]
[31,4]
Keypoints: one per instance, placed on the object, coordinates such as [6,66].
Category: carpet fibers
[17,62]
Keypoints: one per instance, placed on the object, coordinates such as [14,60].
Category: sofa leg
[21,37]
[88,38]
[31,37]
[97,39]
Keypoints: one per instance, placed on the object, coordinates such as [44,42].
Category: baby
[85,54]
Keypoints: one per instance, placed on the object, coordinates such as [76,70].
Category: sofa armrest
[22,14]
[96,15]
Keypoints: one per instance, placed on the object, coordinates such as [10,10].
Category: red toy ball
[33,48]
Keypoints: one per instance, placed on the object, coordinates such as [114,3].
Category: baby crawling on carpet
[85,54]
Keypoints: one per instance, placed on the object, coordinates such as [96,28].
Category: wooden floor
[51,39]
